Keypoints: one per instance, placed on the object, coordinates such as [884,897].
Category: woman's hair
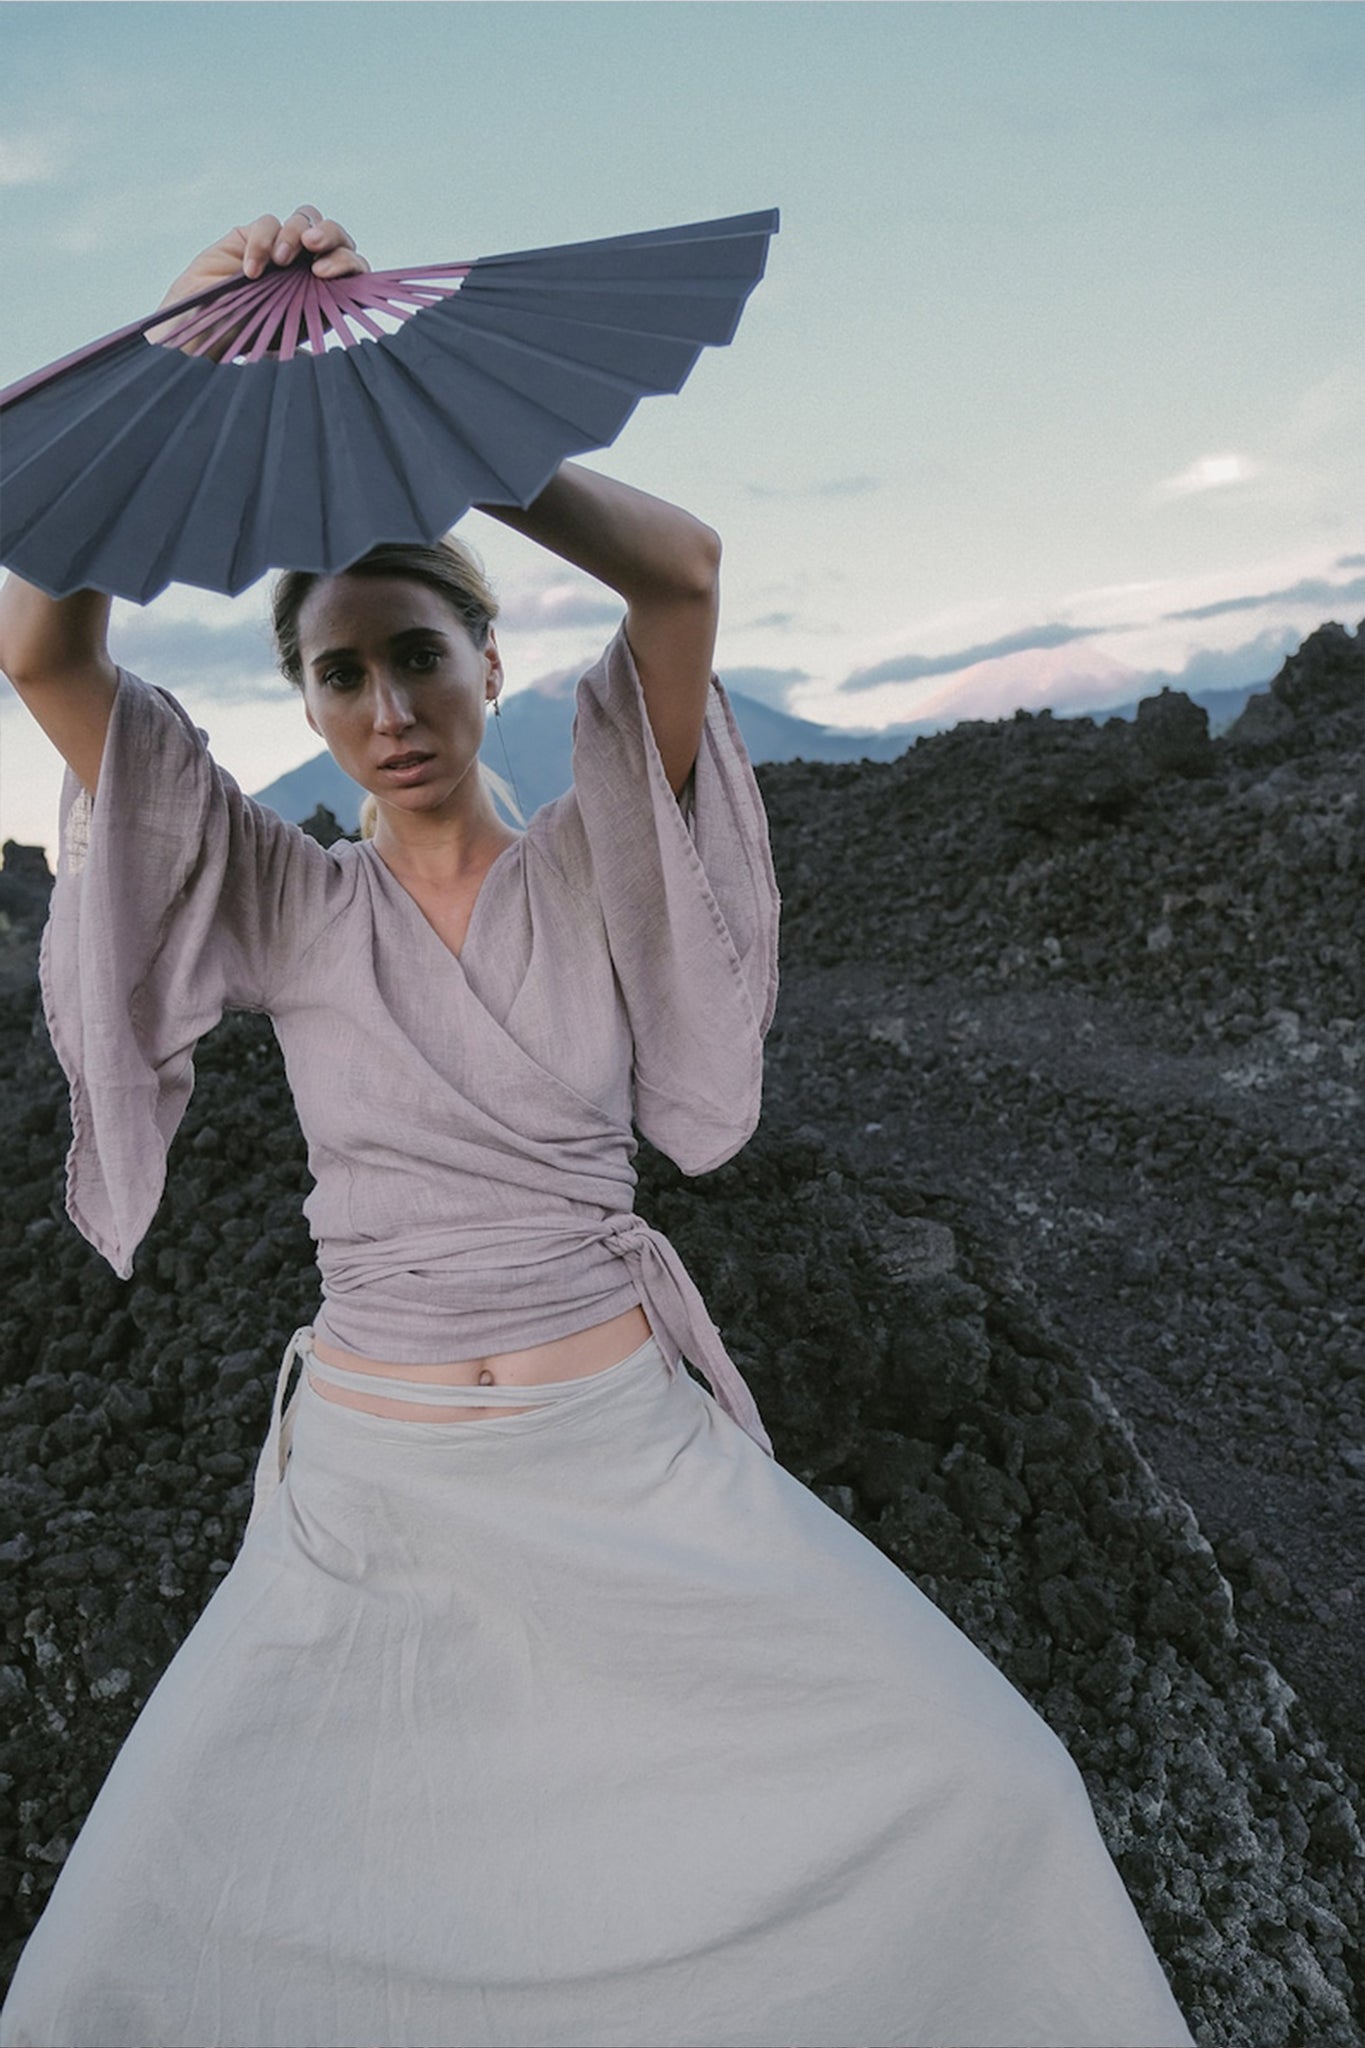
[449,567]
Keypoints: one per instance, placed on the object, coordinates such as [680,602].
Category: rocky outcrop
[998,1140]
[1318,691]
[906,1372]
[323,826]
[1039,851]
[25,886]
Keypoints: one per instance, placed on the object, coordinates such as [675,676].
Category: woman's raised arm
[666,565]
[55,651]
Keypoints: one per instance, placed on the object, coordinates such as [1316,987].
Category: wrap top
[468,1119]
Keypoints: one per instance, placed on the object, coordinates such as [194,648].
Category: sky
[1053,391]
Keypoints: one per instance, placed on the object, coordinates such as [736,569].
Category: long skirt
[571,1728]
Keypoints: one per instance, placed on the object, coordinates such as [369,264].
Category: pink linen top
[468,1120]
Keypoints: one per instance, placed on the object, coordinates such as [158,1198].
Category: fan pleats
[138,465]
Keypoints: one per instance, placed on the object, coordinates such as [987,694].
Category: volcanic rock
[1044,1266]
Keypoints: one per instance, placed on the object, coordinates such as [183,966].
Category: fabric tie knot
[680,1318]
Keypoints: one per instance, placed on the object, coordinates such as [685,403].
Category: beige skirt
[588,1727]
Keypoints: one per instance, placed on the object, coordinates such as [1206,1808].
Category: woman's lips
[406,767]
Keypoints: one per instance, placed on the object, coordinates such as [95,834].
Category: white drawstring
[275,1451]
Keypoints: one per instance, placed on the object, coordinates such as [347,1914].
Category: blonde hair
[451,568]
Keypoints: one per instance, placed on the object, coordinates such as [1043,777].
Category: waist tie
[275,1450]
[673,1302]
[436,1394]
[678,1313]
[471,1260]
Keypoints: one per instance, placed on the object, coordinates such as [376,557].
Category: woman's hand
[245,252]
[54,651]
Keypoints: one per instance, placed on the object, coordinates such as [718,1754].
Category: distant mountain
[538,733]
[773,735]
[536,729]
[319,781]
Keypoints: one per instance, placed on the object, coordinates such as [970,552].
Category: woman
[541,1706]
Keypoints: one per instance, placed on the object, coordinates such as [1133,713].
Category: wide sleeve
[176,898]
[691,908]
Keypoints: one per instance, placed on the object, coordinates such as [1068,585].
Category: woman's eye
[428,656]
[338,678]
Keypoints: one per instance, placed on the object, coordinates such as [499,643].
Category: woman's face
[395,686]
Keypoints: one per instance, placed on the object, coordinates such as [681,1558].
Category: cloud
[1209,473]
[561,606]
[28,160]
[827,487]
[233,663]
[770,686]
[109,215]
[1076,676]
[1227,668]
[792,621]
[1349,562]
[1326,412]
[1311,590]
[913,668]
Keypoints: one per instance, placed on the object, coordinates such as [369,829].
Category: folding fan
[374,407]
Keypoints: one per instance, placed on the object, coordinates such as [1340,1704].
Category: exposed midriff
[566,1358]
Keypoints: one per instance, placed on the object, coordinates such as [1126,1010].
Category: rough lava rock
[25,885]
[1044,1266]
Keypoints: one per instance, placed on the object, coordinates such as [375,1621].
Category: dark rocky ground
[1044,1265]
